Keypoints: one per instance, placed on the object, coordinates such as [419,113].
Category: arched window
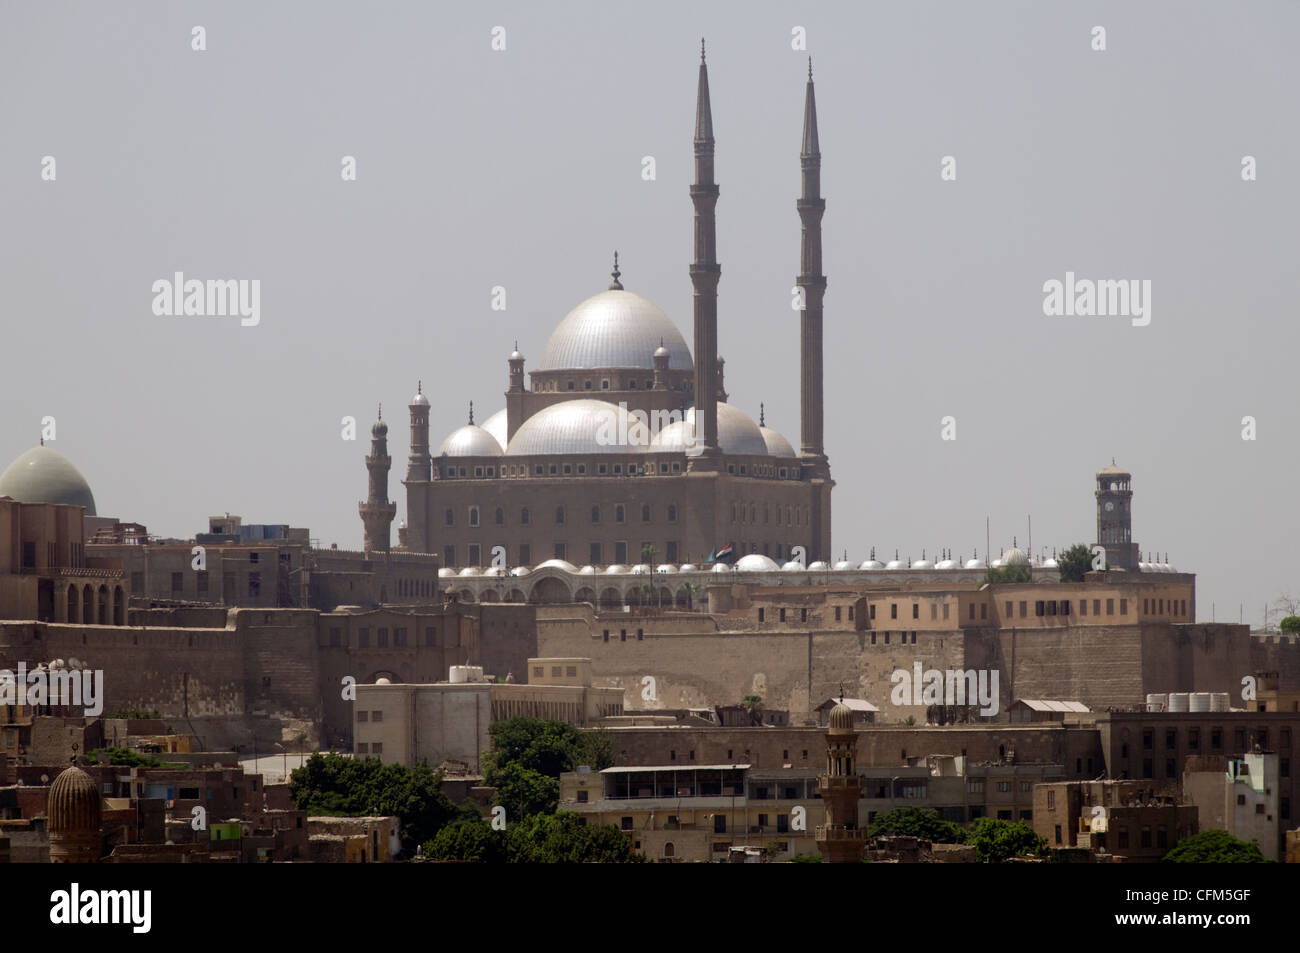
[473,516]
[645,512]
[501,516]
[559,514]
[523,516]
[669,850]
[595,514]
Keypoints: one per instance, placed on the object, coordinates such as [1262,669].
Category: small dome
[687,567]
[497,425]
[563,564]
[737,433]
[792,566]
[469,441]
[662,351]
[721,567]
[42,475]
[1015,557]
[520,571]
[615,328]
[419,400]
[640,569]
[819,566]
[383,680]
[976,563]
[996,564]
[845,564]
[469,571]
[777,445]
[1113,470]
[617,569]
[380,429]
[74,804]
[756,562]
[872,564]
[665,567]
[587,571]
[841,718]
[516,355]
[895,564]
[947,564]
[923,564]
[496,572]
[1051,563]
[446,572]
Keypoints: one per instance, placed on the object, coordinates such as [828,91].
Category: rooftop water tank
[466,673]
[1200,701]
[1157,701]
[1179,701]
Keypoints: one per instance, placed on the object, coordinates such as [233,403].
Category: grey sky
[522,169]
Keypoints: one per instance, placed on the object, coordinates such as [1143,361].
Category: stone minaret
[811,206]
[840,839]
[705,272]
[418,475]
[376,512]
[1115,518]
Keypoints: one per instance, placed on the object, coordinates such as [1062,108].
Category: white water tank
[466,673]
[1200,701]
[1179,701]
[1157,701]
[1218,701]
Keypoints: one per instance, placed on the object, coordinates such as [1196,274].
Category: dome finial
[762,422]
[471,413]
[810,69]
[701,49]
[615,285]
[381,411]
[419,387]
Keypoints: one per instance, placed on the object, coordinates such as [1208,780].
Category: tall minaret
[840,839]
[705,272]
[418,463]
[419,473]
[376,512]
[811,206]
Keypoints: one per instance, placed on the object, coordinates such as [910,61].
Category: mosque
[605,456]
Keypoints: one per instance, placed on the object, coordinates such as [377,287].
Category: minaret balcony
[838,832]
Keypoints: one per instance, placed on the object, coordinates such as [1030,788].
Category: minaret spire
[705,272]
[811,207]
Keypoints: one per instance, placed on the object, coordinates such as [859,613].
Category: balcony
[840,832]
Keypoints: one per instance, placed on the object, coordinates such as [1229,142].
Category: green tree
[754,705]
[523,792]
[997,841]
[920,822]
[1290,624]
[1074,562]
[806,859]
[468,840]
[350,787]
[124,757]
[648,554]
[535,743]
[560,839]
[691,588]
[595,748]
[1007,574]
[1215,847]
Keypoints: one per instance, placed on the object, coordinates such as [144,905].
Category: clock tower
[1115,518]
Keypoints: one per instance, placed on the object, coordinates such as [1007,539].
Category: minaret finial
[381,410]
[810,69]
[701,49]
[615,285]
[762,419]
[471,413]
[419,387]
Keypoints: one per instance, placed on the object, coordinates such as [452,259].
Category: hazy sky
[522,168]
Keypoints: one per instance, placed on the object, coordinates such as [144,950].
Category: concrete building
[450,721]
[1124,820]
[1240,795]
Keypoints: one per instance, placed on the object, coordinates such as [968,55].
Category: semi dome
[737,433]
[756,562]
[497,425]
[777,445]
[721,567]
[42,475]
[665,567]
[574,426]
[469,441]
[614,329]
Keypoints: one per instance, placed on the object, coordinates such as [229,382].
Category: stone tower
[840,839]
[705,272]
[377,512]
[1115,518]
[811,207]
[75,814]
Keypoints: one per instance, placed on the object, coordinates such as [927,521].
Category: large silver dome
[43,475]
[573,426]
[469,441]
[737,433]
[614,329]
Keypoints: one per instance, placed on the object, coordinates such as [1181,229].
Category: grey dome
[42,475]
[1015,556]
[469,441]
[777,445]
[737,433]
[573,426]
[614,329]
[419,400]
[756,562]
[497,425]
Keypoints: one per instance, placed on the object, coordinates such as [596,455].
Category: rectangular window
[1096,607]
[1083,607]
[671,554]
[620,551]
[1110,607]
[560,550]
[1024,605]
[893,610]
[178,581]
[837,613]
[475,554]
[363,638]
[448,556]
[1123,607]
[377,748]
[254,584]
[916,611]
[362,717]
[382,640]
[202,577]
[376,716]
[1040,608]
[399,637]
[525,554]
[594,554]
[1007,613]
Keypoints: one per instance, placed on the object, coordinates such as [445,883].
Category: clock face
[1109,507]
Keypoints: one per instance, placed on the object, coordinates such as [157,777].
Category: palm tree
[691,589]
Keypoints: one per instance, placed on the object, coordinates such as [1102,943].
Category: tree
[124,757]
[536,743]
[1074,562]
[690,588]
[919,822]
[1215,847]
[754,705]
[560,839]
[1290,624]
[595,748]
[806,859]
[351,787]
[469,841]
[523,791]
[648,554]
[997,841]
[1004,575]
